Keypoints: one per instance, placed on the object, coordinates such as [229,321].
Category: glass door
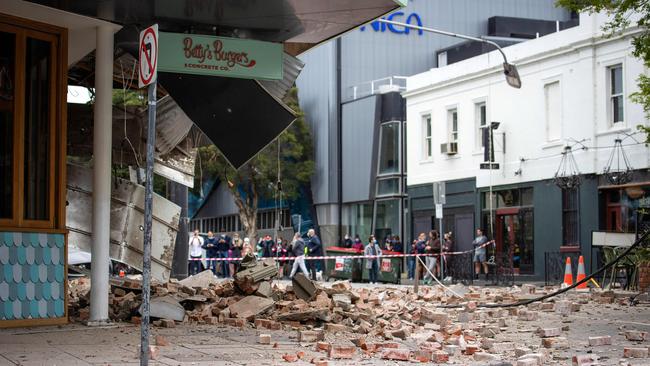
[514,238]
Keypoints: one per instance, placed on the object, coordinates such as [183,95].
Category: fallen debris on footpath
[389,323]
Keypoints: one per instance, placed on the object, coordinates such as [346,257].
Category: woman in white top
[196,252]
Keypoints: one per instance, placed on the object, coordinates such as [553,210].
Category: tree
[258,179]
[620,10]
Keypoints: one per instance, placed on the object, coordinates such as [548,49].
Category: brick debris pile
[343,322]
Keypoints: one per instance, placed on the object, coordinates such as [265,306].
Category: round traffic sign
[148,56]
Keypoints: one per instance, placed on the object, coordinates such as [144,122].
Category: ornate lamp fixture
[567,175]
[618,174]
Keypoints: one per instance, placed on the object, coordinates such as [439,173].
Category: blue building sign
[413,19]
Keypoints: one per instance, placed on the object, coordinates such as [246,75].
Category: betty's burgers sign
[219,56]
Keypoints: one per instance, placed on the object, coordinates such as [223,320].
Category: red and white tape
[351,256]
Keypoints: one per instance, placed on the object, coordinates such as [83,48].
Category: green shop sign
[219,56]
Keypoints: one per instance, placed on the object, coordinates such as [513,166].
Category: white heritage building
[575,92]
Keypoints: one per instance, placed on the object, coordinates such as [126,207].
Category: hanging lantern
[619,171]
[567,175]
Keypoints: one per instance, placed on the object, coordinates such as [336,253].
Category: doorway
[514,238]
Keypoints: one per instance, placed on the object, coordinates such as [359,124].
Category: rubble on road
[340,322]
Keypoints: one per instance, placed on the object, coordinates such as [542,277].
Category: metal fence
[554,265]
[460,268]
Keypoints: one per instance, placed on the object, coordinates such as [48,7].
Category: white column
[102,141]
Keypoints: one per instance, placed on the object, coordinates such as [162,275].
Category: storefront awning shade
[301,22]
[237,115]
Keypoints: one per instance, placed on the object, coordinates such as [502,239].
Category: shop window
[387,218]
[428,142]
[386,187]
[389,148]
[615,93]
[28,115]
[570,225]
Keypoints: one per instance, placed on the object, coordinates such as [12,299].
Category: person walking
[196,252]
[372,264]
[298,251]
[315,249]
[480,253]
[210,246]
[432,248]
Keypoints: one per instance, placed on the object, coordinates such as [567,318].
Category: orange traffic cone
[568,273]
[121,273]
[581,274]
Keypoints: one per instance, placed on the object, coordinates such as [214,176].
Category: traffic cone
[568,273]
[581,273]
[121,273]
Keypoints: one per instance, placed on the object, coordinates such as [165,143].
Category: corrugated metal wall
[370,54]
[359,122]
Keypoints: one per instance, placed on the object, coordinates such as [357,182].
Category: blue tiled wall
[32,276]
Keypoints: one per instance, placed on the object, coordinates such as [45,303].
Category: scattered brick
[423,356]
[452,349]
[290,357]
[396,354]
[168,323]
[310,336]
[323,346]
[346,352]
[600,341]
[635,352]
[636,336]
[549,332]
[555,343]
[484,356]
[584,359]
[264,339]
[440,356]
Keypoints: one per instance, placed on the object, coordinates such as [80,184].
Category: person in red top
[357,245]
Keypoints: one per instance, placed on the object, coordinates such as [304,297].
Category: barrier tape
[351,256]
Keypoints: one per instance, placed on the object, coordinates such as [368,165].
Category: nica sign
[413,19]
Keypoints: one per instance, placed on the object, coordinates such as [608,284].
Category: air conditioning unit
[449,148]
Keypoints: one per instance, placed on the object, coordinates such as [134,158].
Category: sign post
[439,200]
[148,51]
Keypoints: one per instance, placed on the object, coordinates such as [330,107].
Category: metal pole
[146,257]
[441,238]
[416,282]
[101,209]
[445,33]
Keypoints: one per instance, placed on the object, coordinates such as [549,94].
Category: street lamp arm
[445,33]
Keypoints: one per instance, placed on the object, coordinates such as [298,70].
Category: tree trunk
[248,208]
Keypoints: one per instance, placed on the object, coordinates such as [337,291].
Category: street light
[509,70]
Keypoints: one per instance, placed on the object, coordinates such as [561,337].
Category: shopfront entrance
[514,237]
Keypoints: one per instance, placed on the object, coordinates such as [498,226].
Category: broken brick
[264,339]
[310,336]
[635,352]
[423,356]
[323,346]
[440,356]
[555,342]
[168,323]
[484,356]
[635,335]
[583,360]
[290,357]
[549,332]
[338,351]
[161,341]
[396,354]
[600,341]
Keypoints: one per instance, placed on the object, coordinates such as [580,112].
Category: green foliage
[259,177]
[128,98]
[621,11]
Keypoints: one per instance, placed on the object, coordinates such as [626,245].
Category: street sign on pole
[148,51]
[147,77]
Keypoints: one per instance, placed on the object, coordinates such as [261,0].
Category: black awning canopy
[238,115]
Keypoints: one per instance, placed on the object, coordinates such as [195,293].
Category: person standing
[315,249]
[480,253]
[432,249]
[372,264]
[357,245]
[298,251]
[235,252]
[397,244]
[246,248]
[196,252]
[347,243]
[223,246]
[420,247]
[210,246]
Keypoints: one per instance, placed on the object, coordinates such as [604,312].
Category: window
[389,148]
[387,218]
[388,186]
[570,224]
[616,99]
[553,111]
[28,120]
[481,122]
[452,125]
[428,142]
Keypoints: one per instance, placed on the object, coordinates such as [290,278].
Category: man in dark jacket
[211,252]
[223,246]
[315,250]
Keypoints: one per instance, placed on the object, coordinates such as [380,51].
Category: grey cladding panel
[359,121]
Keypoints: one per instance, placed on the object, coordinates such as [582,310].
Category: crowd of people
[221,253]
